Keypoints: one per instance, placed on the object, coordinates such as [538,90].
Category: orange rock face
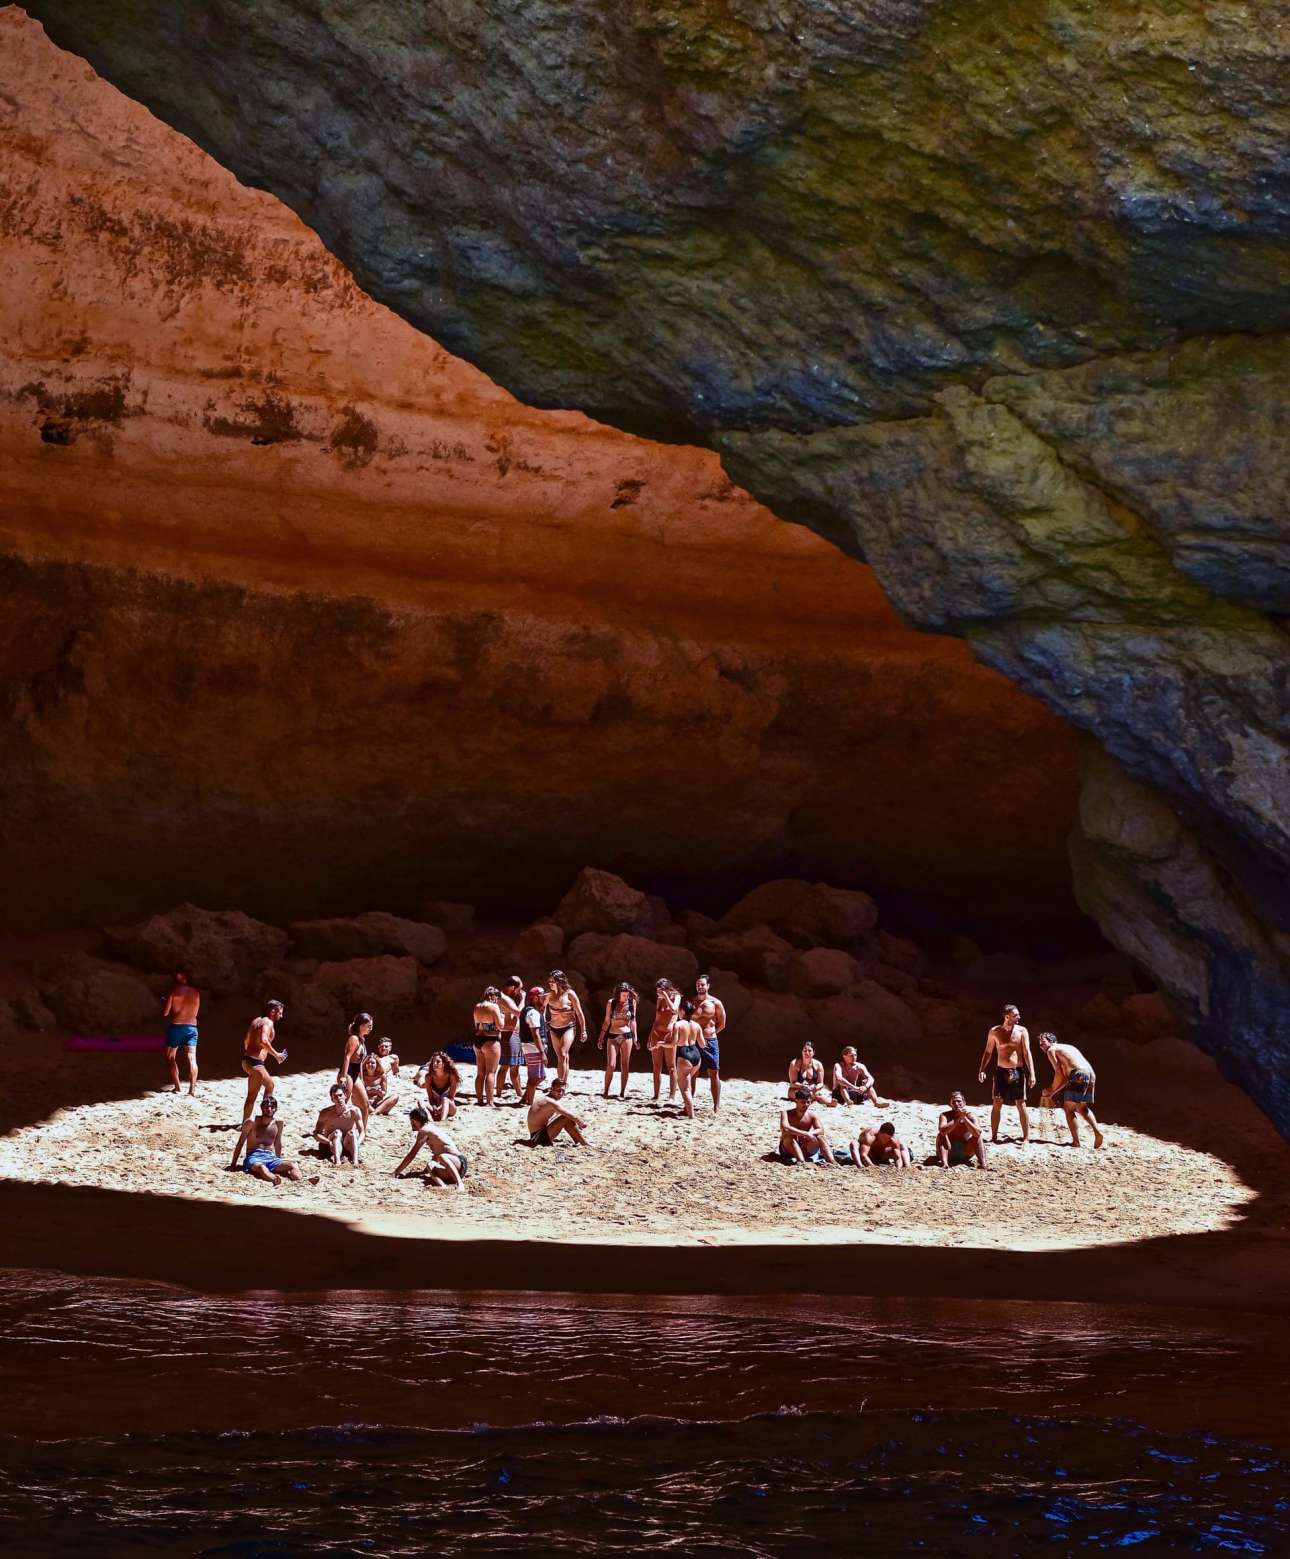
[303,614]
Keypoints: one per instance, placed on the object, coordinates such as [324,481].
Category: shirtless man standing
[802,1139]
[340,1126]
[710,1015]
[1014,1070]
[959,1139]
[548,1118]
[181,1032]
[257,1047]
[1073,1086]
[512,1004]
[262,1139]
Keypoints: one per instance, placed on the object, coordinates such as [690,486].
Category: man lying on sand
[261,1136]
[802,1140]
[447,1161]
[548,1118]
[959,1139]
[873,1148]
[1014,1069]
[340,1126]
[853,1082]
[1073,1085]
[181,1009]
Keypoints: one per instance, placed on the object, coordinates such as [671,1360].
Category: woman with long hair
[490,1022]
[804,1071]
[618,1035]
[441,1080]
[564,1020]
[381,1097]
[662,1039]
[351,1061]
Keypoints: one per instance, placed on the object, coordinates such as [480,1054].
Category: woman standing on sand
[662,1038]
[618,1035]
[688,1036]
[442,1080]
[381,1097]
[564,1020]
[490,1023]
[352,1058]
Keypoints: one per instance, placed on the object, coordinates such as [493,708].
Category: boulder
[755,954]
[32,1013]
[377,985]
[878,1023]
[9,1024]
[447,915]
[221,951]
[889,977]
[807,913]
[606,960]
[368,936]
[541,943]
[772,904]
[1005,973]
[964,951]
[898,952]
[772,1030]
[823,971]
[88,994]
[599,901]
[313,1011]
[733,995]
[1100,1015]
[672,935]
[696,925]
[1147,1017]
[947,1024]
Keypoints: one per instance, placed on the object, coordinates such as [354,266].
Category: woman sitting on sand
[662,1039]
[352,1058]
[441,1080]
[490,1022]
[804,1071]
[618,1035]
[689,1039]
[564,1020]
[381,1096]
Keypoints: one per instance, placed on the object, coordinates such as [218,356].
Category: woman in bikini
[352,1058]
[662,1039]
[618,1035]
[490,1022]
[441,1080]
[381,1097]
[804,1071]
[564,1020]
[688,1038]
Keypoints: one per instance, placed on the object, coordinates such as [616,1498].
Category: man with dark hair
[959,1139]
[447,1161]
[339,1126]
[257,1048]
[1014,1069]
[710,1015]
[872,1148]
[1073,1086]
[548,1117]
[181,1009]
[262,1139]
[802,1139]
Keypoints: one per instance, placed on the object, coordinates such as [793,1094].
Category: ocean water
[141,1420]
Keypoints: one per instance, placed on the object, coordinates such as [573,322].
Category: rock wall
[305,615]
[994,296]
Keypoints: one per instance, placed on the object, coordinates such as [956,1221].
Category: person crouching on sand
[853,1082]
[261,1136]
[182,1005]
[875,1148]
[339,1126]
[548,1117]
[1073,1086]
[447,1161]
[959,1140]
[802,1139]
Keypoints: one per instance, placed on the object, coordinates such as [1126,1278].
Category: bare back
[182,1004]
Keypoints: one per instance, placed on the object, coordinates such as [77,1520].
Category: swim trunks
[512,1053]
[710,1055]
[265,1157]
[534,1065]
[1010,1084]
[1077,1089]
[181,1034]
[960,1153]
[851,1093]
[462,1162]
[541,1138]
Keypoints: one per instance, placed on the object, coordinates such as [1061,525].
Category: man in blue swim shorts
[1073,1086]
[181,1034]
[710,1015]
[261,1136]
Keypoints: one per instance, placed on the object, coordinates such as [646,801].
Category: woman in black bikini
[564,1020]
[490,1021]
[618,1035]
[442,1080]
[351,1061]
[805,1071]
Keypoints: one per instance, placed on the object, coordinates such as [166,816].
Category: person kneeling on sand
[802,1139]
[959,1139]
[548,1118]
[872,1148]
[261,1136]
[447,1161]
[1073,1086]
[853,1082]
[340,1126]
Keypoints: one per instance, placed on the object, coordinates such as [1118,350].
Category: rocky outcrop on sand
[219,950]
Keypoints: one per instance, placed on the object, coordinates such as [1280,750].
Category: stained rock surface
[306,616]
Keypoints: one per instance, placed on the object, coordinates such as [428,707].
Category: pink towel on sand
[107,1042]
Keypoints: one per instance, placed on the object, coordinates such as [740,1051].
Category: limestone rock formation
[994,296]
[219,950]
[303,614]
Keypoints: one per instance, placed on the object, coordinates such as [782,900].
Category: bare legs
[342,1143]
[618,1057]
[561,1045]
[686,1072]
[664,1055]
[1076,1111]
[275,1176]
[487,1057]
[257,1077]
[1023,1114]
[561,1122]
[714,1077]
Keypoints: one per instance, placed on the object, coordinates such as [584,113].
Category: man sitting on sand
[261,1136]
[340,1126]
[802,1139]
[853,1082]
[548,1118]
[181,1032]
[878,1147]
[447,1161]
[1014,1069]
[959,1139]
[1073,1085]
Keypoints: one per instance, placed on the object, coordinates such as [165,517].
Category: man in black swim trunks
[548,1117]
[1014,1069]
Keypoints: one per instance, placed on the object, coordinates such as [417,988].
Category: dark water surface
[142,1420]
